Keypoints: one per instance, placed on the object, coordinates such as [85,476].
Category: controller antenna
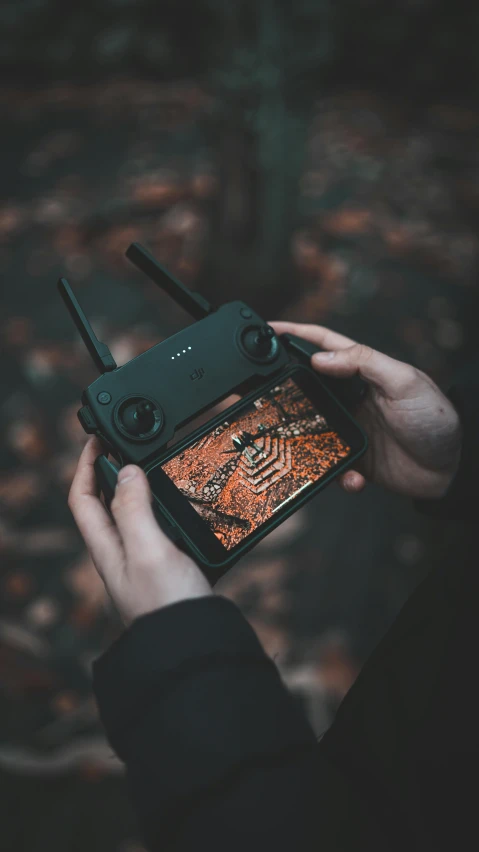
[99,352]
[194,303]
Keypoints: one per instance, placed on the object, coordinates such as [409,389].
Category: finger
[346,358]
[390,377]
[94,523]
[323,337]
[352,481]
[132,510]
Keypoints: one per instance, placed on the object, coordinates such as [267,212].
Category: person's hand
[413,429]
[139,565]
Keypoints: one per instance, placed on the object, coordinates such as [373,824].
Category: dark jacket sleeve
[460,501]
[407,729]
[216,750]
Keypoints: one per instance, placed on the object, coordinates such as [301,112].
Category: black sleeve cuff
[187,696]
[163,646]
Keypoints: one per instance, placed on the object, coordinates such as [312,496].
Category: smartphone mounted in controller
[222,471]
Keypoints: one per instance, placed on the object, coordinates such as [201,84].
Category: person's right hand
[414,431]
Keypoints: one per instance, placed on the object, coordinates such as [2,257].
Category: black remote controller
[136,409]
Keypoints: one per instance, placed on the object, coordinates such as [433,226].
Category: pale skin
[414,449]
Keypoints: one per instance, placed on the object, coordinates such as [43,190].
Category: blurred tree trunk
[261,152]
[256,211]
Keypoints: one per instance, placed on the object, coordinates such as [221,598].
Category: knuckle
[408,379]
[365,353]
[415,373]
[412,375]
[419,375]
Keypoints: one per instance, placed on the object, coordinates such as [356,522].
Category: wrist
[131,614]
[159,591]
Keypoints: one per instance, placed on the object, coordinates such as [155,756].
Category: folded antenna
[99,352]
[192,302]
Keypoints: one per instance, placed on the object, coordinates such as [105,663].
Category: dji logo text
[198,374]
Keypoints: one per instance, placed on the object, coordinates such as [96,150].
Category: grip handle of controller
[106,473]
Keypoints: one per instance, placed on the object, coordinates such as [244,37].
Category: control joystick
[259,342]
[138,417]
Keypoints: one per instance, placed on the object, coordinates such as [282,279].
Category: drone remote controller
[135,409]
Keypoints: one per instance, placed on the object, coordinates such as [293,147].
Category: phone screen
[249,466]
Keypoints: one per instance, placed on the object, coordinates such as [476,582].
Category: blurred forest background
[318,160]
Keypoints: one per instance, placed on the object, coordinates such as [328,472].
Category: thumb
[388,375]
[352,481]
[132,510]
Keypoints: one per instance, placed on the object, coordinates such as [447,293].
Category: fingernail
[349,482]
[125,474]
[319,357]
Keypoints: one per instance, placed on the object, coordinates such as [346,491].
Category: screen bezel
[179,511]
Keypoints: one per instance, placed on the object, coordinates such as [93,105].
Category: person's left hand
[141,568]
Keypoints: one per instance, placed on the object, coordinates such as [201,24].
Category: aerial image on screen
[249,467]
